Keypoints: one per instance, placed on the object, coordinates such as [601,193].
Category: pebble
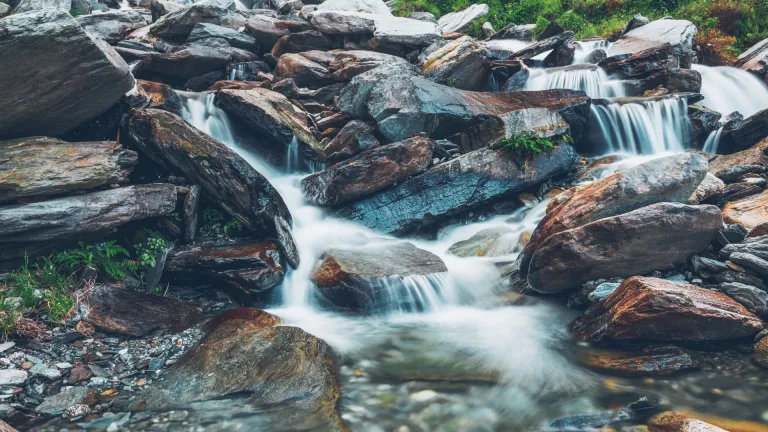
[423,396]
[97,381]
[45,372]
[64,365]
[13,377]
[177,416]
[6,346]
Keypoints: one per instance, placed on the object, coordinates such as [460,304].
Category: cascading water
[580,56]
[727,89]
[588,78]
[644,127]
[713,141]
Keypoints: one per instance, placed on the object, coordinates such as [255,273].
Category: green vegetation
[730,25]
[525,146]
[105,258]
[147,252]
[216,224]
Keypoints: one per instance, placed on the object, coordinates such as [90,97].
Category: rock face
[459,63]
[748,212]
[754,299]
[248,266]
[658,310]
[369,172]
[343,22]
[37,5]
[304,71]
[132,313]
[623,245]
[374,277]
[179,24]
[755,60]
[455,187]
[77,76]
[678,33]
[290,375]
[72,218]
[461,20]
[669,179]
[273,115]
[112,26]
[47,166]
[224,177]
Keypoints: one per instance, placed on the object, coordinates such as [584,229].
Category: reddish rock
[675,422]
[354,138]
[753,156]
[78,374]
[132,313]
[160,96]
[759,230]
[304,71]
[657,361]
[748,212]
[368,172]
[654,309]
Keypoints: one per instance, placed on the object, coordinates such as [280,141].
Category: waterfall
[580,57]
[588,78]
[713,141]
[728,89]
[643,127]
[236,72]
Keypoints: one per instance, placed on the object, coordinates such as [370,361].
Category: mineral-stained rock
[674,422]
[376,276]
[77,76]
[640,63]
[369,172]
[760,356]
[461,20]
[272,114]
[160,96]
[248,266]
[72,218]
[354,138]
[709,188]
[759,231]
[679,34]
[304,41]
[268,30]
[43,166]
[748,212]
[757,155]
[112,26]
[623,245]
[755,60]
[670,179]
[132,313]
[659,310]
[247,359]
[179,24]
[656,361]
[304,71]
[753,298]
[225,177]
[459,63]
[455,187]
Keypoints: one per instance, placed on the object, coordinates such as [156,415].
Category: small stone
[760,356]
[27,365]
[6,346]
[750,261]
[423,396]
[108,393]
[13,377]
[98,381]
[64,365]
[141,382]
[77,410]
[155,364]
[45,372]
[79,373]
[58,403]
[84,328]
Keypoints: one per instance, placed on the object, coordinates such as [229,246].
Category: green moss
[525,146]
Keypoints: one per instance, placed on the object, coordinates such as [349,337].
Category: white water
[587,47]
[588,78]
[713,141]
[728,89]
[649,127]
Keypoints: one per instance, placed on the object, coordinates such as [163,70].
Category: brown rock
[42,166]
[132,313]
[674,422]
[349,64]
[5,427]
[160,96]
[753,156]
[748,212]
[368,172]
[304,71]
[760,356]
[84,328]
[654,309]
[78,374]
[354,138]
[759,230]
[657,361]
[650,238]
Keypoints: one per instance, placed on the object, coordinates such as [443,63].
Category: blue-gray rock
[235,38]
[751,262]
[113,26]
[753,298]
[56,404]
[602,291]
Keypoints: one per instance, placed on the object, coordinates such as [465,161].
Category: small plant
[527,146]
[147,252]
[104,258]
[215,224]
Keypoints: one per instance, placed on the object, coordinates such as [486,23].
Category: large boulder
[41,166]
[268,30]
[406,31]
[679,34]
[748,212]
[248,360]
[349,64]
[225,177]
[113,26]
[273,115]
[755,60]
[376,7]
[455,187]
[463,19]
[27,226]
[369,172]
[668,179]
[535,48]
[651,238]
[304,71]
[741,135]
[24,6]
[179,24]
[343,22]
[375,277]
[304,41]
[405,104]
[181,65]
[131,313]
[459,63]
[354,138]
[76,75]
[756,155]
[235,38]
[248,266]
[653,309]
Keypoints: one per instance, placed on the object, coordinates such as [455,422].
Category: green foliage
[74,13]
[216,224]
[147,252]
[105,258]
[527,145]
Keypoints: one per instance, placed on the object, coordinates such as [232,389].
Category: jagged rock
[623,245]
[70,67]
[751,262]
[225,177]
[753,298]
[349,64]
[26,226]
[343,22]
[459,63]
[541,46]
[463,19]
[707,267]
[561,55]
[703,122]
[248,266]
[58,403]
[369,172]
[353,98]
[354,138]
[755,60]
[272,114]
[235,38]
[376,7]
[668,179]
[651,309]
[757,155]
[304,71]
[673,422]
[748,212]
[641,63]
[303,41]
[674,80]
[161,96]
[523,32]
[636,21]
[742,135]
[160,8]
[132,313]
[405,31]
[654,361]
[179,24]
[5,10]
[43,166]
[113,26]
[268,30]
[455,187]
[709,189]
[491,242]
[423,16]
[373,277]
[23,6]
[679,34]
[290,377]
[184,64]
